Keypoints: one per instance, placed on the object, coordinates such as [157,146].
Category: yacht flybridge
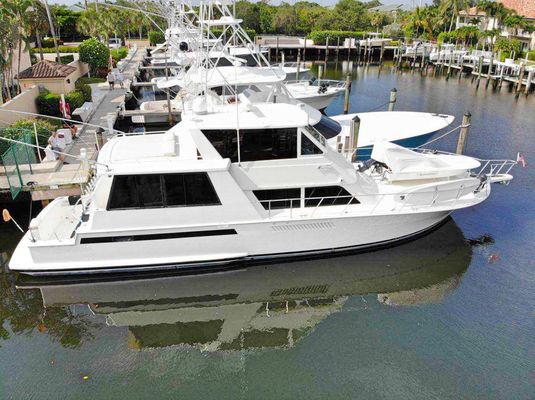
[245,184]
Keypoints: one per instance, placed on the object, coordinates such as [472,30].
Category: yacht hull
[259,242]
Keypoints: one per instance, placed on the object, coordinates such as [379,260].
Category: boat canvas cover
[405,164]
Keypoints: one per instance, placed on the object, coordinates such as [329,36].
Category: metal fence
[15,158]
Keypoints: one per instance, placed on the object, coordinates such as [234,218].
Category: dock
[46,181]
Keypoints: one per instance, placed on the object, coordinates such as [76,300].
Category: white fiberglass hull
[221,244]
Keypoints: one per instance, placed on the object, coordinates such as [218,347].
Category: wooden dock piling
[393,99]
[346,92]
[463,134]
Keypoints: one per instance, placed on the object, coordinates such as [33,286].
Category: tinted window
[255,144]
[328,196]
[307,147]
[278,198]
[175,191]
[199,190]
[149,190]
[167,190]
[124,192]
[328,127]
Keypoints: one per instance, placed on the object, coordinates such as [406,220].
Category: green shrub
[320,37]
[84,88]
[156,37]
[65,59]
[94,53]
[509,45]
[48,103]
[218,32]
[530,54]
[446,37]
[118,54]
[62,49]
[49,42]
[88,80]
[19,128]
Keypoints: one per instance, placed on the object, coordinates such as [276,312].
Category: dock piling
[463,134]
[346,92]
[393,99]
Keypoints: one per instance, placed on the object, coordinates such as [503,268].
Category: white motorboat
[405,128]
[193,197]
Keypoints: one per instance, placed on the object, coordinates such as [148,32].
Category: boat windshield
[328,127]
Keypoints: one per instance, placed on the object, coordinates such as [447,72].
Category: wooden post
[393,99]
[520,78]
[36,139]
[463,134]
[479,70]
[283,61]
[277,51]
[382,52]
[489,74]
[354,137]
[449,65]
[530,80]
[305,49]
[298,65]
[347,91]
[326,48]
[320,74]
[337,46]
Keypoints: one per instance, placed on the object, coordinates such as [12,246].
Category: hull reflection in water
[270,306]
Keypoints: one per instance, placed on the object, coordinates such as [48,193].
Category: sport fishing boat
[246,182]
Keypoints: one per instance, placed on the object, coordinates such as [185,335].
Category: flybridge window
[162,190]
[255,144]
[328,196]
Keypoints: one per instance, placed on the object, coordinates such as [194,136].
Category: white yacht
[245,182]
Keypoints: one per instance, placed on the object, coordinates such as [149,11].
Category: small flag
[521,160]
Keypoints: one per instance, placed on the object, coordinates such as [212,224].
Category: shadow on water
[270,306]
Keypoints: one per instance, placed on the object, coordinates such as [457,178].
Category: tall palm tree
[451,8]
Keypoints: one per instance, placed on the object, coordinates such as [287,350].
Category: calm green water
[448,316]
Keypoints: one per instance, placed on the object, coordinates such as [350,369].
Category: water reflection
[264,306]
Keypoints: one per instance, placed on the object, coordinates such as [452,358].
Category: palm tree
[451,8]
[18,10]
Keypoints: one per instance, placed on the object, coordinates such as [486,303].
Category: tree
[94,53]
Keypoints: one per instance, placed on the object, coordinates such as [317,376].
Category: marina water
[447,316]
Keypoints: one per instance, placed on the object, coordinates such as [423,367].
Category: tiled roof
[47,69]
[526,8]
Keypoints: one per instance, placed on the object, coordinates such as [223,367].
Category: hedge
[65,59]
[320,37]
[84,88]
[49,42]
[88,80]
[15,131]
[218,32]
[48,103]
[118,54]
[62,49]
[156,37]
